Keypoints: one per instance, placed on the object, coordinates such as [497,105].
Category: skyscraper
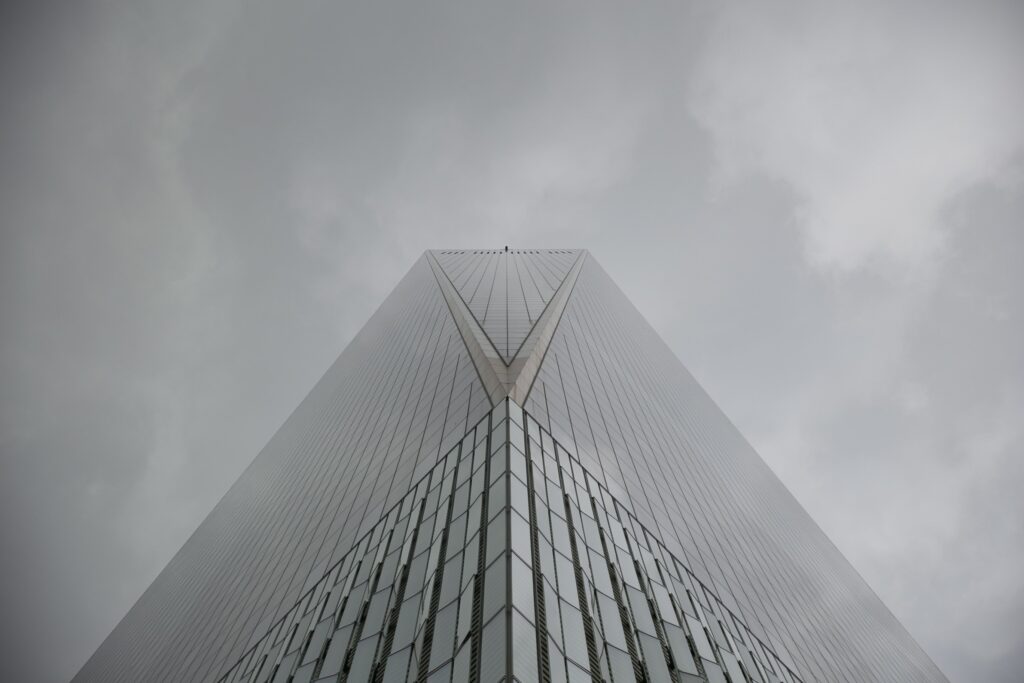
[507,474]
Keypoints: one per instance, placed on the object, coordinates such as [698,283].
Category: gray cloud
[818,206]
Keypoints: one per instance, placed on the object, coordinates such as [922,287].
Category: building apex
[508,333]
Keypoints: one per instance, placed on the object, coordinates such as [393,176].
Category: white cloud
[874,115]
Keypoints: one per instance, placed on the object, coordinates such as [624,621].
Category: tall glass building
[508,475]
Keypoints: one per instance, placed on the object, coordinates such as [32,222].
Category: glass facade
[508,476]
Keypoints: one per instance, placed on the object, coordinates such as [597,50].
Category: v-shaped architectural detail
[507,331]
[506,291]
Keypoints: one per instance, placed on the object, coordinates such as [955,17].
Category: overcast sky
[819,205]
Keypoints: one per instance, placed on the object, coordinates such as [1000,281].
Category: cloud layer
[876,115]
[819,205]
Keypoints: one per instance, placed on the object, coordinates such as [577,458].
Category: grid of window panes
[508,562]
[401,604]
[612,390]
[402,392]
[635,611]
